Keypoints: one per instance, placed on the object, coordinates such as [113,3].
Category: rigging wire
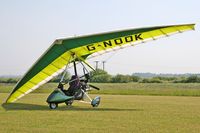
[65,71]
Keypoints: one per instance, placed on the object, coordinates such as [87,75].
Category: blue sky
[28,28]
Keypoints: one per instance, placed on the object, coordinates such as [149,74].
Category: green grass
[116,113]
[125,111]
[158,89]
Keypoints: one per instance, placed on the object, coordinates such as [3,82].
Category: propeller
[94,87]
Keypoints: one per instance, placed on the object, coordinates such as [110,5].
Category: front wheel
[53,105]
[96,101]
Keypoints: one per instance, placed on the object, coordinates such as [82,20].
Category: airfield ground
[116,113]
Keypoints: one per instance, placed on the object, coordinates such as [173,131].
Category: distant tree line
[9,80]
[101,76]
[150,75]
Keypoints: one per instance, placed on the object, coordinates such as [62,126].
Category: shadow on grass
[32,107]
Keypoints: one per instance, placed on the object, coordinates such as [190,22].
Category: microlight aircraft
[69,51]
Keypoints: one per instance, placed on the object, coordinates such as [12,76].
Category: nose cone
[57,96]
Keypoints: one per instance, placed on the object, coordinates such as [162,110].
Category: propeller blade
[94,87]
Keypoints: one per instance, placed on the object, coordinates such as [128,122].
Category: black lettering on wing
[107,43]
[91,47]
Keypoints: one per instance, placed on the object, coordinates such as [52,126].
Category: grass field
[157,89]
[134,110]
[116,113]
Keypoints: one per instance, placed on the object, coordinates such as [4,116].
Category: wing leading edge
[55,59]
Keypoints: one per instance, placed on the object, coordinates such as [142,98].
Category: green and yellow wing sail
[62,51]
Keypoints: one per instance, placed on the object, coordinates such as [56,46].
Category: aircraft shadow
[35,107]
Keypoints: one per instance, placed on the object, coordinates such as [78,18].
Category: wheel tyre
[53,105]
[69,103]
[95,105]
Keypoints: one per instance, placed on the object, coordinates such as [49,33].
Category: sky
[29,27]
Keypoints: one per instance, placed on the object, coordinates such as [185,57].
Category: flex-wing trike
[78,90]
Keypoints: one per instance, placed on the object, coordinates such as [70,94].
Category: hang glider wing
[61,52]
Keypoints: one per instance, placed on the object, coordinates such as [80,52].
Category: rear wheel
[53,105]
[68,103]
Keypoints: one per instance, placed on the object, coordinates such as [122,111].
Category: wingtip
[193,25]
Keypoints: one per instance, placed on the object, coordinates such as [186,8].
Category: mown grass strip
[158,89]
